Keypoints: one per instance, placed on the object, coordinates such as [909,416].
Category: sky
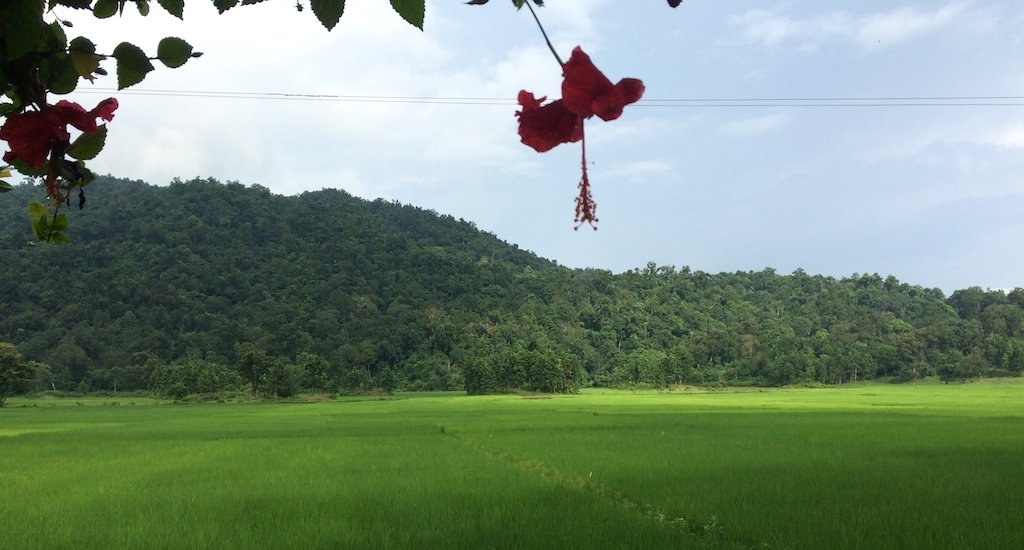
[771,135]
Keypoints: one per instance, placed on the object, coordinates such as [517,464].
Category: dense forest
[202,286]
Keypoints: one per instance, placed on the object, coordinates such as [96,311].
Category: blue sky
[931,194]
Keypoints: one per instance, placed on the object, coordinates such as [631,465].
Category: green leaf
[519,3]
[143,7]
[105,8]
[88,145]
[5,187]
[477,2]
[328,11]
[27,170]
[85,64]
[9,107]
[59,238]
[21,25]
[224,5]
[59,74]
[38,210]
[58,39]
[77,4]
[84,58]
[60,222]
[41,226]
[173,7]
[40,219]
[132,65]
[85,176]
[82,44]
[412,11]
[173,52]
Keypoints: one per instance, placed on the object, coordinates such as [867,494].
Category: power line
[867,101]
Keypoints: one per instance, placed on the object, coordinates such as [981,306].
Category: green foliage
[87,146]
[253,364]
[282,379]
[46,227]
[186,271]
[329,12]
[132,64]
[173,7]
[16,375]
[411,10]
[480,376]
[22,26]
[37,60]
[190,377]
[173,52]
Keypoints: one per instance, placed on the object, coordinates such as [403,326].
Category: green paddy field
[873,466]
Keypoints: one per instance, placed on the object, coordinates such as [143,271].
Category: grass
[872,466]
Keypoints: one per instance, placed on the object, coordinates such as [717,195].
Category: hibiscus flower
[586,92]
[32,135]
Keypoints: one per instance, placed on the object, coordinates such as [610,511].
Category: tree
[480,377]
[192,377]
[16,375]
[679,367]
[386,381]
[315,370]
[252,363]
[282,378]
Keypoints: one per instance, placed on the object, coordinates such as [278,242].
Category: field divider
[706,529]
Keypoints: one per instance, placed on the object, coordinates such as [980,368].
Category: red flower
[76,115]
[545,126]
[586,91]
[33,135]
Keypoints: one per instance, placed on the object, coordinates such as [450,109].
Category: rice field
[871,466]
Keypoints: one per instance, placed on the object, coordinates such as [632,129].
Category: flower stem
[545,34]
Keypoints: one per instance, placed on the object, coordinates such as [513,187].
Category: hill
[351,292]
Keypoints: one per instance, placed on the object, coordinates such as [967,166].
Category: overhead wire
[796,101]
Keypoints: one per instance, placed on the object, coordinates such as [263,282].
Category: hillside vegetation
[200,286]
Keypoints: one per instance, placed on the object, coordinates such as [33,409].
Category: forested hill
[350,292]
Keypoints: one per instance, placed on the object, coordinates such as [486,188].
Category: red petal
[546,126]
[632,89]
[528,101]
[583,83]
[587,91]
[76,115]
[105,109]
[32,135]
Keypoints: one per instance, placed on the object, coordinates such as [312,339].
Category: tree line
[331,292]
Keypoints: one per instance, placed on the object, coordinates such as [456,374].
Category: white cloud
[903,24]
[1012,137]
[870,31]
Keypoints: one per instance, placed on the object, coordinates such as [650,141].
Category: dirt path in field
[707,531]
